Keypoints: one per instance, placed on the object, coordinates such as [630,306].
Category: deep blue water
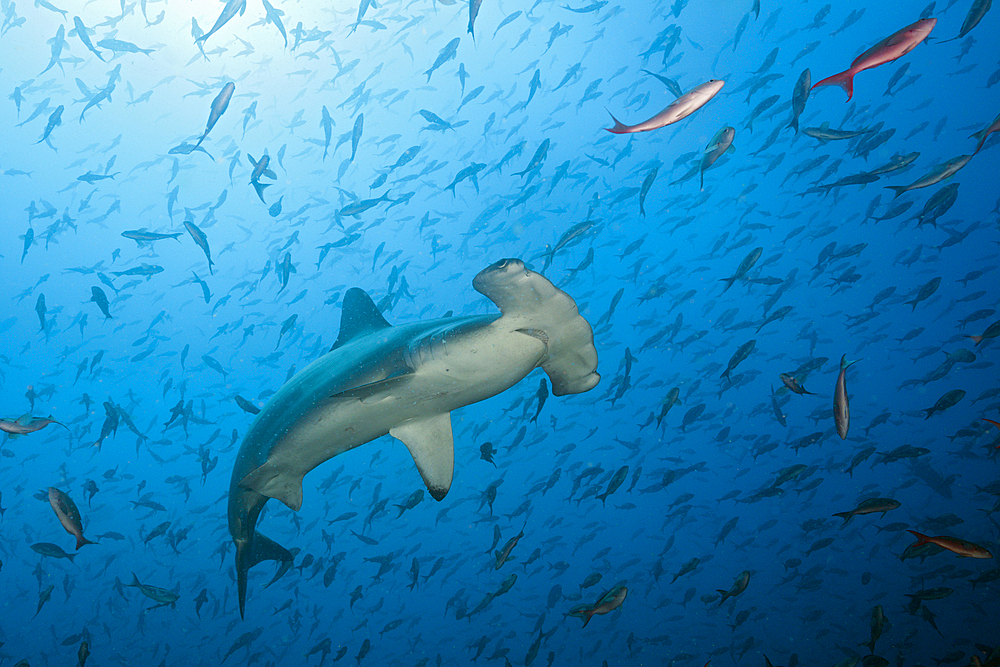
[155,497]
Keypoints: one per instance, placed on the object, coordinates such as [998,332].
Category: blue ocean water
[409,147]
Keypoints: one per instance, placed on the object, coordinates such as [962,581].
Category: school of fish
[547,278]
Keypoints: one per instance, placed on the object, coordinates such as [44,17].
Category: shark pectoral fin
[432,447]
[270,481]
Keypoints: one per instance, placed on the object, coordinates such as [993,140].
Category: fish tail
[794,124]
[81,540]
[259,187]
[976,339]
[845,364]
[619,128]
[844,79]
[252,552]
[921,539]
[846,516]
[898,189]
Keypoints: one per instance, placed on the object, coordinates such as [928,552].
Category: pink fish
[679,109]
[983,134]
[889,49]
[25,424]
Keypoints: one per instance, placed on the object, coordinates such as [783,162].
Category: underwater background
[412,144]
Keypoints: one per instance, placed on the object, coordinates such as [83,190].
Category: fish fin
[845,80]
[360,317]
[533,304]
[271,481]
[845,364]
[81,540]
[253,551]
[921,539]
[898,189]
[432,447]
[619,128]
[259,187]
[846,516]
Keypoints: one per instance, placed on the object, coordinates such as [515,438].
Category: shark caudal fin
[535,307]
[249,553]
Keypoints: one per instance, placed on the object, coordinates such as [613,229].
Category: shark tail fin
[257,549]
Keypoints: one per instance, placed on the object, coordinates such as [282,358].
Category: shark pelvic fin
[360,316]
[268,480]
[432,447]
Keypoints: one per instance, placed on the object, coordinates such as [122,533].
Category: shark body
[404,381]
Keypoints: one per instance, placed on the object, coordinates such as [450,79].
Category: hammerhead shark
[403,381]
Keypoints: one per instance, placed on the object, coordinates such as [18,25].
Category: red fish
[953,544]
[997,424]
[889,49]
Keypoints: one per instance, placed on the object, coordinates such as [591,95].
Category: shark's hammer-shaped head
[537,307]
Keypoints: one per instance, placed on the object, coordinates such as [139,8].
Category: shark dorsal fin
[360,316]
